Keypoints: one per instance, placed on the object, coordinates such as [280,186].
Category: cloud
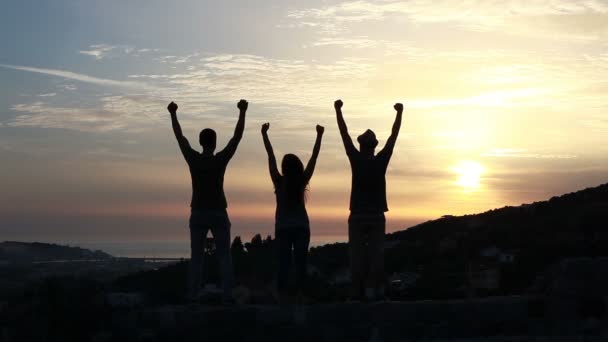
[268,81]
[40,114]
[101,51]
[598,124]
[98,51]
[77,77]
[130,113]
[48,95]
[480,11]
[68,87]
[582,20]
[501,98]
[524,153]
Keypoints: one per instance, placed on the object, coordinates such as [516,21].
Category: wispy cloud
[480,11]
[267,80]
[98,51]
[199,85]
[514,16]
[503,99]
[77,77]
[524,153]
[101,51]
[41,114]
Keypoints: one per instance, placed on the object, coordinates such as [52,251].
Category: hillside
[578,216]
[14,251]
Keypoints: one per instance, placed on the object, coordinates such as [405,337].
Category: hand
[265,128]
[398,107]
[338,104]
[172,107]
[242,105]
[320,129]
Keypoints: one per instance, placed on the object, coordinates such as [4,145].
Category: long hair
[293,176]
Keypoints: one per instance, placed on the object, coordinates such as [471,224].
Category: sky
[505,103]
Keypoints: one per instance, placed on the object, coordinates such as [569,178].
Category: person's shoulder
[191,155]
[220,159]
[354,155]
[382,157]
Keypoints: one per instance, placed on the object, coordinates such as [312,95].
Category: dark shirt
[290,212]
[207,173]
[368,187]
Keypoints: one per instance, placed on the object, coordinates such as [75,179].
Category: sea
[164,249]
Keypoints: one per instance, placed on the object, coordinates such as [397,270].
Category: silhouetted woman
[292,229]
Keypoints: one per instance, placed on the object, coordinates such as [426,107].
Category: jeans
[297,238]
[366,247]
[201,221]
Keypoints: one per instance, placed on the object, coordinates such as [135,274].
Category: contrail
[79,77]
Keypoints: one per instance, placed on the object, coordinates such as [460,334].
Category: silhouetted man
[208,200]
[366,223]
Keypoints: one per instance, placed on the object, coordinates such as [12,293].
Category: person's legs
[300,252]
[198,233]
[284,243]
[375,278]
[221,234]
[357,251]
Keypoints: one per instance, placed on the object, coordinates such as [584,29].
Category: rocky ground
[125,317]
[570,306]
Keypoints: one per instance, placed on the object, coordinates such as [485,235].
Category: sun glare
[469,174]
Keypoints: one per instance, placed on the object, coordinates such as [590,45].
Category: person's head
[293,173]
[367,141]
[207,138]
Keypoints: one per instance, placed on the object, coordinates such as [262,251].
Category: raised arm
[230,149]
[390,143]
[272,160]
[183,143]
[310,167]
[348,142]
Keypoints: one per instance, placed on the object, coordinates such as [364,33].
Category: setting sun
[469,174]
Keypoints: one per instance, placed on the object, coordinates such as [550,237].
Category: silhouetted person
[292,229]
[366,223]
[208,200]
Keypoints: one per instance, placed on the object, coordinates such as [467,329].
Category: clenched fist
[338,104]
[242,105]
[320,129]
[265,128]
[398,107]
[172,107]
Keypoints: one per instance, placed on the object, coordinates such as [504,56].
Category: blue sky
[505,104]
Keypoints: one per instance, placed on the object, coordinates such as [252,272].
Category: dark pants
[288,239]
[366,242]
[201,222]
